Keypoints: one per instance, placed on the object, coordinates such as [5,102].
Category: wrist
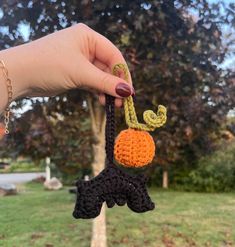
[17,66]
[3,93]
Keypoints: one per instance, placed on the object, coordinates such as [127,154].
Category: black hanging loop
[109,128]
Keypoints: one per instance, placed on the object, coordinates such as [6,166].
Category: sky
[225,1]
[228,63]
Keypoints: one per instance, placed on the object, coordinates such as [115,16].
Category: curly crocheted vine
[135,147]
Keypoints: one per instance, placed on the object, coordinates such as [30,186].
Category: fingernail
[123,90]
[133,92]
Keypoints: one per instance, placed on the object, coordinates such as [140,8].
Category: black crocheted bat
[112,186]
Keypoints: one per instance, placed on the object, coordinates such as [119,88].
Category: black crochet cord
[112,185]
[109,128]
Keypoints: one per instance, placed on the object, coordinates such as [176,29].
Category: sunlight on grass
[41,218]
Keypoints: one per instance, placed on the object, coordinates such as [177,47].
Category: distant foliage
[215,172]
[172,48]
[24,166]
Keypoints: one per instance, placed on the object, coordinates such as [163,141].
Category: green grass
[41,218]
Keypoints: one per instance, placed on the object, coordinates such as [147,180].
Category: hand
[76,57]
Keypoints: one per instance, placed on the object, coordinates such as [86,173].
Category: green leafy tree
[173,49]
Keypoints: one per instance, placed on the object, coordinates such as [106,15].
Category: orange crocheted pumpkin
[2,131]
[134,148]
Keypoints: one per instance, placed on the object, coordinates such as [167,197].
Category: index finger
[107,53]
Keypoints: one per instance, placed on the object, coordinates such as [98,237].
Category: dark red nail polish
[133,92]
[123,90]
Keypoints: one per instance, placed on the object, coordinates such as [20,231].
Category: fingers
[99,57]
[118,102]
[107,53]
[103,67]
[104,82]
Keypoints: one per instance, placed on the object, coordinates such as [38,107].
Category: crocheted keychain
[133,148]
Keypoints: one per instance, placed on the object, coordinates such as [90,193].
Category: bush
[24,166]
[69,178]
[216,172]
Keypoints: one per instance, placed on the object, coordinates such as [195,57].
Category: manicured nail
[133,92]
[123,90]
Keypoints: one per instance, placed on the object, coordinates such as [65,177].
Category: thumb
[104,82]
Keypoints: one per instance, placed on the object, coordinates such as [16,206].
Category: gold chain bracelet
[9,93]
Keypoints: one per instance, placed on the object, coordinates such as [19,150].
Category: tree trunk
[165,179]
[99,238]
[99,223]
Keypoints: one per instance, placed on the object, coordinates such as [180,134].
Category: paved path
[17,178]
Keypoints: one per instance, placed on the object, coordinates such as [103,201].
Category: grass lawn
[42,218]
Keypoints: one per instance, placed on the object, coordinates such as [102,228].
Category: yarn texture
[112,185]
[134,148]
[152,120]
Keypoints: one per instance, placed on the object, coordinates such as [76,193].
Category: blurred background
[181,54]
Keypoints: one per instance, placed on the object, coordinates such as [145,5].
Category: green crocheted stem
[152,120]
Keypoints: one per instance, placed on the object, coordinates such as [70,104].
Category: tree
[173,49]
